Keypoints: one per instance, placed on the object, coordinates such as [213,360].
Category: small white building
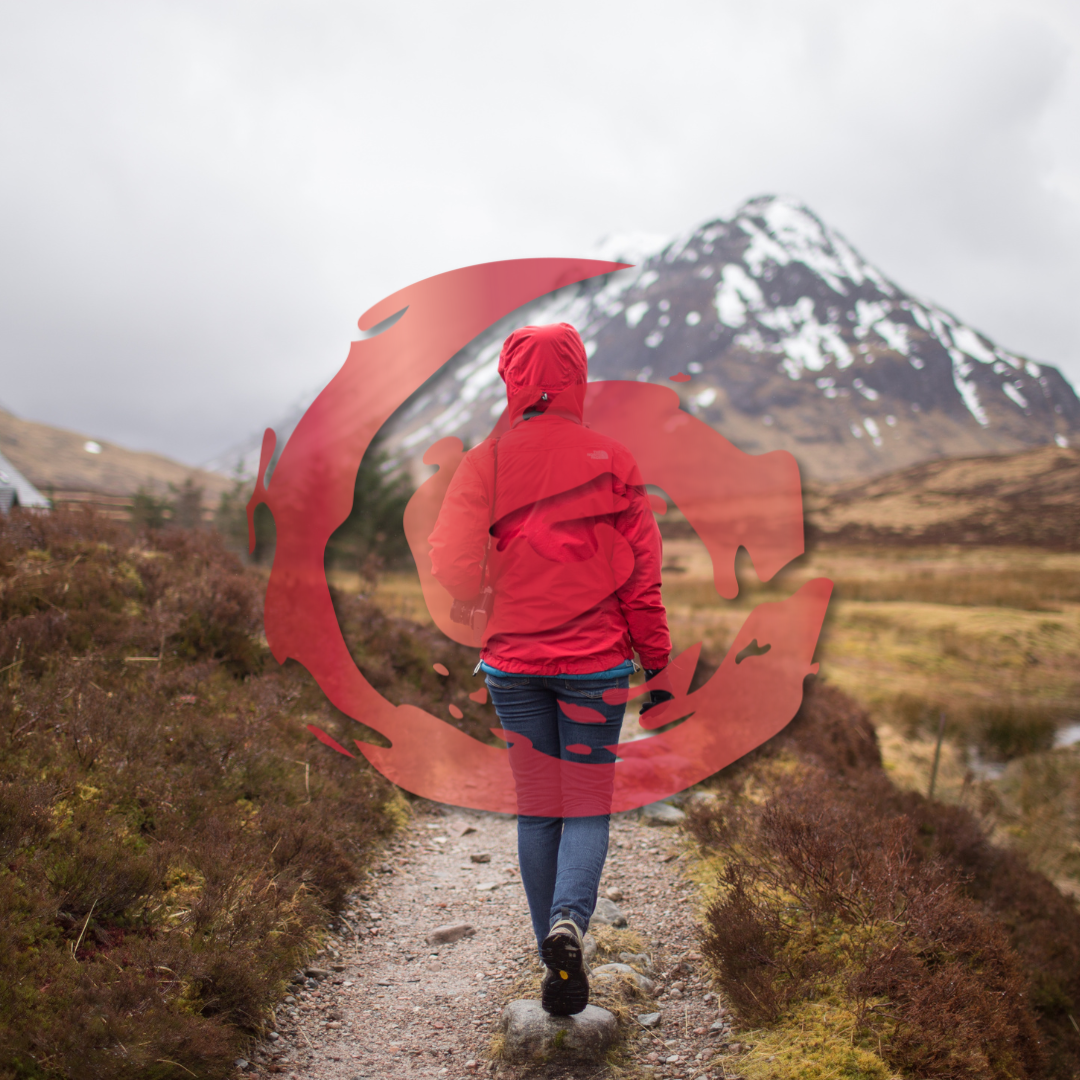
[16,490]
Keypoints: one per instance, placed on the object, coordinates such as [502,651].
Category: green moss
[813,1042]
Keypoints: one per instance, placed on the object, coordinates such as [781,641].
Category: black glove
[655,696]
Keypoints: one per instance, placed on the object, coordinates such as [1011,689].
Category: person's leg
[587,792]
[526,707]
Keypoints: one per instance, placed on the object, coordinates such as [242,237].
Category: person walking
[546,540]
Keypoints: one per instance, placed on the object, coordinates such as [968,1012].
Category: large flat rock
[532,1035]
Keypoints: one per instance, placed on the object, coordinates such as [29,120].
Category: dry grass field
[987,637]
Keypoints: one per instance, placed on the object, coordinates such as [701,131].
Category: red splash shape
[442,669]
[455,712]
[681,377]
[731,499]
[479,696]
[582,714]
[578,748]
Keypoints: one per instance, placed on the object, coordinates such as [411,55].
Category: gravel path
[388,1004]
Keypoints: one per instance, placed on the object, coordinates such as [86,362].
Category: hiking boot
[565,989]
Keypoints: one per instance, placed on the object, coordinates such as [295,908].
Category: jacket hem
[577,665]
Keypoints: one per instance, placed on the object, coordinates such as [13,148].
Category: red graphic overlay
[731,499]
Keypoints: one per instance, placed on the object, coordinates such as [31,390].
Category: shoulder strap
[491,516]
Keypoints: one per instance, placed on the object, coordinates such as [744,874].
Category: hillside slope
[57,460]
[1031,498]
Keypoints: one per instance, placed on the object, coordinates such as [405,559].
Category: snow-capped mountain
[792,341]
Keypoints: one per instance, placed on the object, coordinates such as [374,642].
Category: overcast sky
[197,200]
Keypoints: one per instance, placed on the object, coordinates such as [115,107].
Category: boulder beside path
[607,913]
[662,813]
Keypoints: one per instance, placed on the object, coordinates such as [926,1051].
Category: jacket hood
[539,360]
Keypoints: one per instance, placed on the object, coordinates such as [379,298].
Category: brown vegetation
[171,840]
[944,955]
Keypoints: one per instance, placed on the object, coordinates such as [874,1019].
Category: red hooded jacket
[575,556]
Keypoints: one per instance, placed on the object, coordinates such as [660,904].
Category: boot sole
[566,992]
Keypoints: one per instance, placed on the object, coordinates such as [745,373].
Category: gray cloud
[198,200]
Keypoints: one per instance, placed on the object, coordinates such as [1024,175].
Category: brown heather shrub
[397,656]
[953,958]
[166,859]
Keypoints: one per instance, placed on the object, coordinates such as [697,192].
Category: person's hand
[655,696]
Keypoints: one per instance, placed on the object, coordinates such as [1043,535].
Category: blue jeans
[561,858]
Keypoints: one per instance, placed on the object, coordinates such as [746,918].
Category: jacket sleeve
[459,540]
[639,596]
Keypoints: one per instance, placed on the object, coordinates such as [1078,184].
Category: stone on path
[532,1035]
[614,893]
[649,1020]
[444,935]
[661,813]
[607,913]
[615,971]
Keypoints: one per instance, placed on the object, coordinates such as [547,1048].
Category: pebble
[480,857]
[650,1020]
[488,886]
[590,947]
[614,893]
[641,961]
[445,935]
[316,973]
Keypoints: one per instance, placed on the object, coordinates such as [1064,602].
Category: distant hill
[69,467]
[792,340]
[1031,498]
